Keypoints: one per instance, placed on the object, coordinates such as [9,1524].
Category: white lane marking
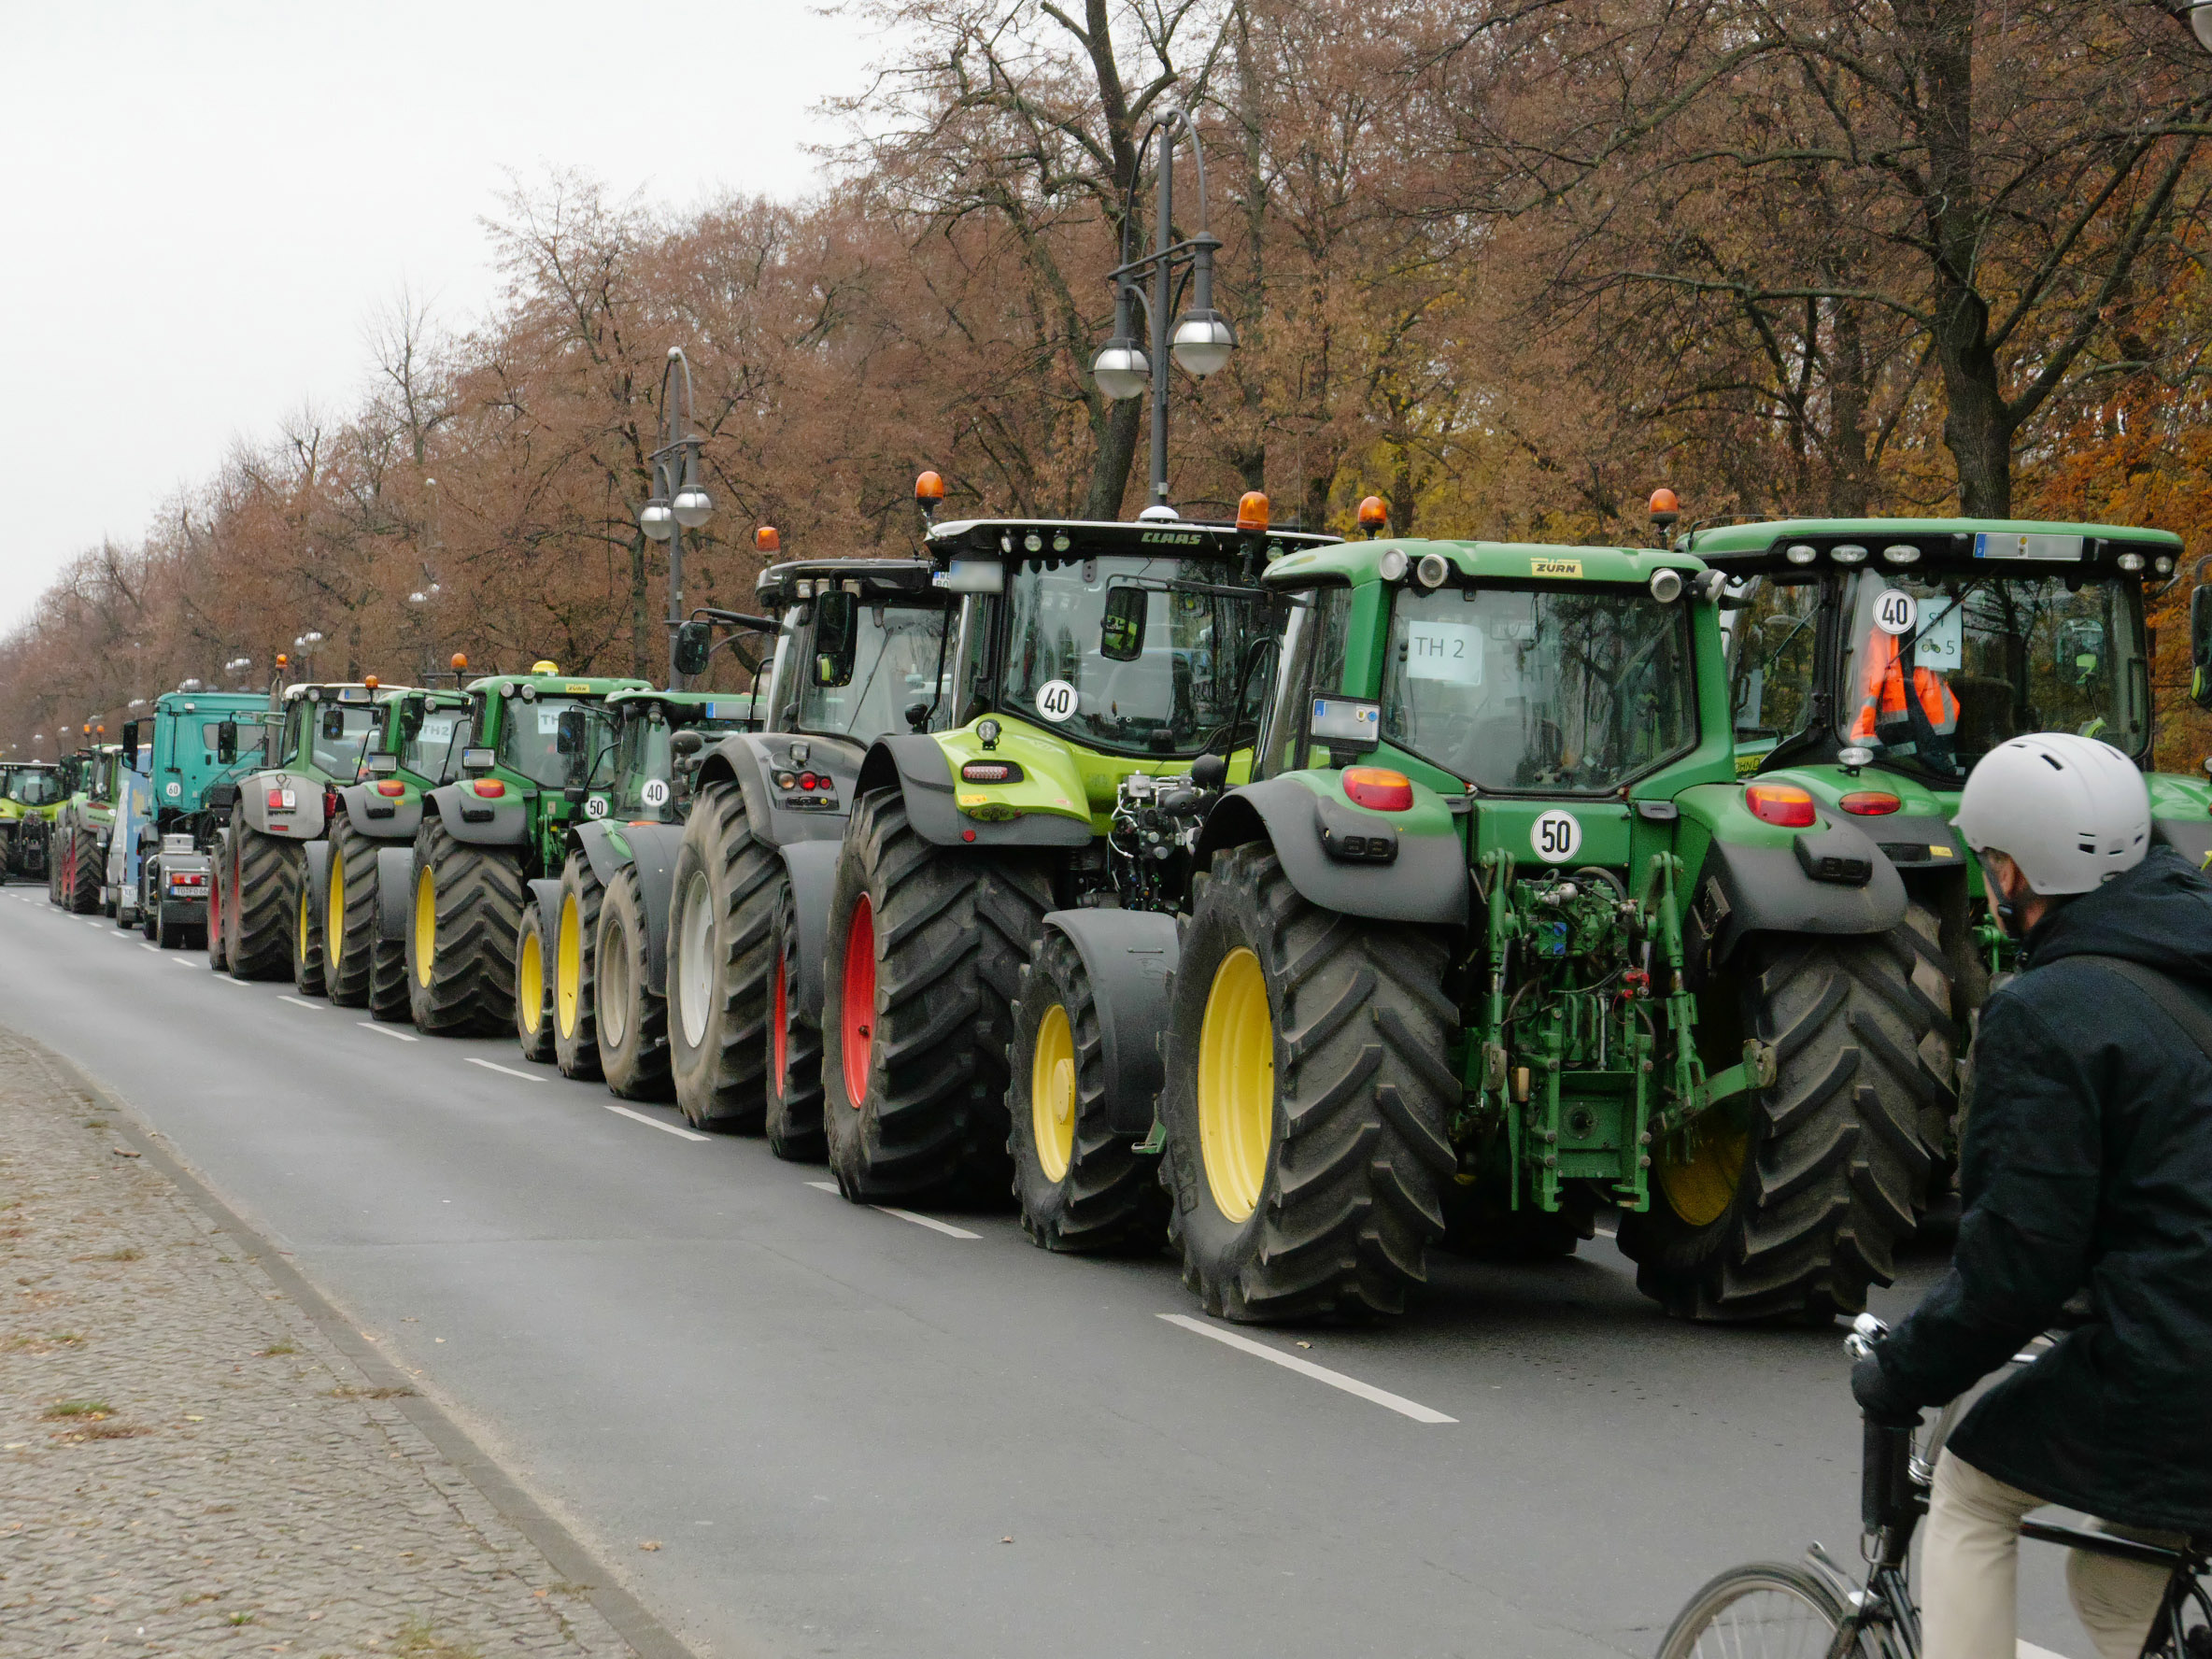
[2028,1649]
[155,948]
[931,1222]
[654,1123]
[224,979]
[508,1069]
[1306,1367]
[385,1030]
[1605,1232]
[185,962]
[310,1007]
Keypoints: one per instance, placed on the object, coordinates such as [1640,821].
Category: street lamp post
[679,502]
[1202,338]
[2196,17]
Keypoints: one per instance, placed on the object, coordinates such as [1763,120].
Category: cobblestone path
[190,1466]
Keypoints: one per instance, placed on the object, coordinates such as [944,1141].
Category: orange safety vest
[1884,690]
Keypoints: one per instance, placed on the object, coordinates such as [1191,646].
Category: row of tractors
[1303,906]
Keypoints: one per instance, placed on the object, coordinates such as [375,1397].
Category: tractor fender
[300,821]
[809,867]
[381,817]
[918,767]
[503,820]
[1426,882]
[544,895]
[653,849]
[595,839]
[1745,887]
[1128,955]
[395,892]
[751,759]
[318,876]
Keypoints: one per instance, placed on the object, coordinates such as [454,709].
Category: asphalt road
[853,1433]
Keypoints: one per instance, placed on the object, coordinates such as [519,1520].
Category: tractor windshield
[529,743]
[342,734]
[1540,689]
[34,788]
[897,650]
[1939,668]
[1175,696]
[644,766]
[433,748]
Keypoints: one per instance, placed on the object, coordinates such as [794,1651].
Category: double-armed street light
[2196,17]
[1200,339]
[679,500]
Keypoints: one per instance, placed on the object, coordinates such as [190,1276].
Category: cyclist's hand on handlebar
[1879,1397]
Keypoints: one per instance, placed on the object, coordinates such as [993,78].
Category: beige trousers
[1970,1572]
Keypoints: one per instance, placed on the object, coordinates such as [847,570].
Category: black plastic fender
[318,877]
[381,817]
[809,867]
[1128,955]
[1747,889]
[916,766]
[1426,882]
[751,760]
[594,838]
[651,850]
[501,821]
[395,892]
[545,894]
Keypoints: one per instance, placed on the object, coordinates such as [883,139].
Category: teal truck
[197,744]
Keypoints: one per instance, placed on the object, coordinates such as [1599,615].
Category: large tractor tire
[53,870]
[1081,1185]
[217,939]
[794,1046]
[306,939]
[265,876]
[632,1016]
[534,990]
[1791,1206]
[461,934]
[576,1012]
[727,887]
[926,949]
[349,942]
[82,878]
[1306,1097]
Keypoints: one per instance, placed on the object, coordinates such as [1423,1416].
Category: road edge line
[632,1620]
[1320,1373]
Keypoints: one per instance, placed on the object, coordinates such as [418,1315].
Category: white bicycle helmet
[2071,811]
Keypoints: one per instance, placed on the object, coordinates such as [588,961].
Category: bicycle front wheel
[1768,1609]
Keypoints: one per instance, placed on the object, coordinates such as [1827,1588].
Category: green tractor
[76,859]
[590,961]
[484,837]
[861,650]
[1092,665]
[31,799]
[316,737]
[351,927]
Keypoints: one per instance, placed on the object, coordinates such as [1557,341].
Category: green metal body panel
[547,814]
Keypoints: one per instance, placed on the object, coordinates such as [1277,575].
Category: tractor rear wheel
[1082,1185]
[534,1004]
[350,917]
[926,949]
[54,856]
[461,937]
[632,1016]
[576,927]
[266,875]
[794,1046]
[1305,1102]
[727,887]
[1789,1204]
[307,940]
[218,938]
[83,895]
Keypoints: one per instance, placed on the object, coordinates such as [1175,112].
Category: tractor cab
[29,787]
[636,767]
[528,735]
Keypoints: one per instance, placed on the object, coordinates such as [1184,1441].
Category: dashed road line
[310,1007]
[1306,1367]
[510,1071]
[931,1222]
[385,1030]
[654,1123]
[155,948]
[185,962]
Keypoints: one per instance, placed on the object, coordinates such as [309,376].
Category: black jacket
[2086,1161]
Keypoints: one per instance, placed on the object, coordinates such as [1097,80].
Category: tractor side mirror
[1121,629]
[571,738]
[695,641]
[226,742]
[482,759]
[836,639]
[333,723]
[2200,646]
[131,743]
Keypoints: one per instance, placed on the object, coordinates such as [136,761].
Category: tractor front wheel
[1305,1101]
[794,1046]
[461,936]
[266,875]
[727,886]
[307,940]
[349,942]
[576,1009]
[632,1016]
[534,1004]
[217,939]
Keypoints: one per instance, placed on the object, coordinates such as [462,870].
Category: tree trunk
[1849,494]
[1116,452]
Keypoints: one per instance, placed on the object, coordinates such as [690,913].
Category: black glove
[1881,1400]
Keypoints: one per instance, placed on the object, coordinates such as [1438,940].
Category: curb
[629,1616]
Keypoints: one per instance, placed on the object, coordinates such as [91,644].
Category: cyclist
[2085,1170]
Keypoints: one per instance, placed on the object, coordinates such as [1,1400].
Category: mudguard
[809,867]
[751,760]
[300,821]
[595,840]
[1742,889]
[1426,882]
[545,894]
[395,892]
[318,876]
[653,855]
[917,768]
[1128,957]
[501,821]
[381,817]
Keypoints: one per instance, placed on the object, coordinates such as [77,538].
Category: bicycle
[1768,1609]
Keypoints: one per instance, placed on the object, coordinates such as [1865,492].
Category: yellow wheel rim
[529,983]
[426,925]
[334,915]
[568,966]
[1052,1093]
[1700,1185]
[1237,1084]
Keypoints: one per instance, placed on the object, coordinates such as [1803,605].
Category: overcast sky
[205,199]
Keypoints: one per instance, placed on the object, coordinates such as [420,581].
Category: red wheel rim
[856,1010]
[775,1050]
